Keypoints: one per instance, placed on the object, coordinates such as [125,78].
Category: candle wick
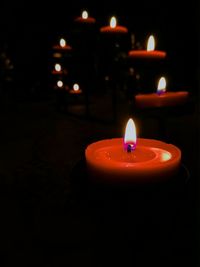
[129,148]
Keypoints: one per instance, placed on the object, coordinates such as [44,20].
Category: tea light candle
[60,86]
[150,53]
[161,98]
[63,46]
[132,160]
[76,90]
[85,18]
[57,69]
[114,28]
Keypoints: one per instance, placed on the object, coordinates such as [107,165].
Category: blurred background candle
[85,18]
[57,69]
[161,98]
[113,27]
[62,45]
[76,89]
[149,53]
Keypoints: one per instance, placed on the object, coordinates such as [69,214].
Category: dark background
[40,224]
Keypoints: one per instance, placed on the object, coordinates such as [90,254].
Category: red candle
[57,69]
[63,46]
[161,98]
[76,90]
[113,27]
[150,53]
[85,18]
[132,160]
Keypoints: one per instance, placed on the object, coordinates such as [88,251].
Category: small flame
[161,86]
[62,42]
[151,43]
[130,136]
[113,22]
[84,14]
[57,67]
[60,84]
[75,87]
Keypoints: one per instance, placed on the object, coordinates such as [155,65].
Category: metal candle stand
[113,63]
[135,214]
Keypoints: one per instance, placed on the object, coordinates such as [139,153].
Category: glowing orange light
[113,22]
[75,87]
[59,84]
[151,43]
[62,42]
[130,138]
[161,86]
[57,67]
[84,14]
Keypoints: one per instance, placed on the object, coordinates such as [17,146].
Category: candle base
[79,177]
[141,218]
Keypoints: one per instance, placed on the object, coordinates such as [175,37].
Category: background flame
[76,87]
[84,14]
[59,83]
[151,43]
[57,67]
[113,22]
[162,84]
[62,42]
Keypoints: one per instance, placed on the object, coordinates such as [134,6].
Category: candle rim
[175,151]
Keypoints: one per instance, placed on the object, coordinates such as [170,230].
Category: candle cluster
[128,159]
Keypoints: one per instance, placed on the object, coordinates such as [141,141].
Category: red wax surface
[163,100]
[152,160]
[55,72]
[63,88]
[117,29]
[75,92]
[86,21]
[156,54]
[62,48]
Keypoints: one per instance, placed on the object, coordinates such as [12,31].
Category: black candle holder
[156,191]
[141,217]
[162,114]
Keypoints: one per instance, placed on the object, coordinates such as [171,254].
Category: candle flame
[75,87]
[59,84]
[62,42]
[130,136]
[84,14]
[161,86]
[113,22]
[57,67]
[151,43]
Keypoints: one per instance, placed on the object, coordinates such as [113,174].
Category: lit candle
[76,89]
[57,69]
[149,53]
[161,98]
[85,19]
[113,27]
[132,160]
[60,86]
[62,46]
